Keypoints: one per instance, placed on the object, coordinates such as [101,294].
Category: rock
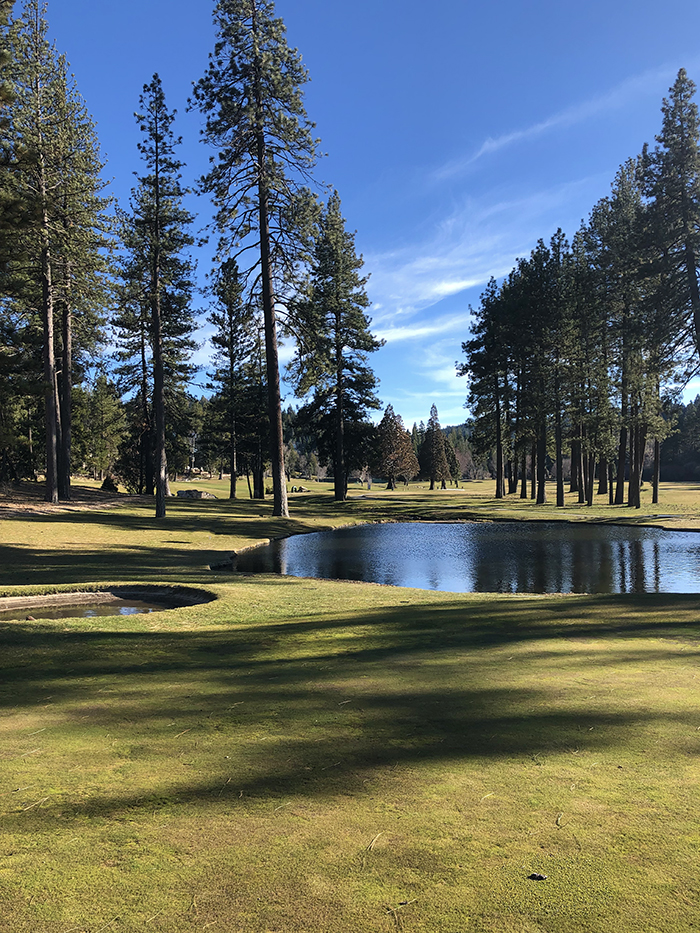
[194,494]
[535,876]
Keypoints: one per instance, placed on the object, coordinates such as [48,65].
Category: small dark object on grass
[535,876]
[109,484]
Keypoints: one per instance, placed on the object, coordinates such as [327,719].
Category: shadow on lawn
[125,558]
[318,707]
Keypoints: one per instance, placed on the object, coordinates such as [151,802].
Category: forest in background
[575,362]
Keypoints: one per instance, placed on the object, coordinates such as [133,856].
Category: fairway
[349,467]
[300,755]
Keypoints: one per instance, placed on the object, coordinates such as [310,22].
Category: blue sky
[458,133]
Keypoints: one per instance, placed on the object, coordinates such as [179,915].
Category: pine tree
[12,207]
[395,457]
[255,119]
[63,242]
[156,320]
[673,181]
[433,458]
[335,340]
[99,425]
[487,367]
[234,342]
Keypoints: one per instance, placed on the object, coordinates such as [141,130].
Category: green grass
[325,757]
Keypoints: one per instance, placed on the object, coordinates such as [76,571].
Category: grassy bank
[314,756]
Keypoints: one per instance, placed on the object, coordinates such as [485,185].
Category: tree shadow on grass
[319,707]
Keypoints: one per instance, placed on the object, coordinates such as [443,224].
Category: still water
[115,607]
[502,557]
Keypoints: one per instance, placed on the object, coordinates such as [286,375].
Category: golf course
[336,757]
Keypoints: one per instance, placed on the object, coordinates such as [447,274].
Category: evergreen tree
[335,340]
[433,458]
[487,367]
[673,182]
[234,342]
[12,207]
[452,461]
[156,320]
[61,281]
[251,98]
[99,426]
[395,457]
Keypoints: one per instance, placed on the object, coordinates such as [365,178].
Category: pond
[498,557]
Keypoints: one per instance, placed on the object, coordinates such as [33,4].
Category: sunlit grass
[326,757]
[311,756]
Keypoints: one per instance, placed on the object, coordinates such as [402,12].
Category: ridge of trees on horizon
[573,357]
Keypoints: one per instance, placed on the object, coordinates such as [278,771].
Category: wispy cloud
[479,239]
[423,329]
[615,99]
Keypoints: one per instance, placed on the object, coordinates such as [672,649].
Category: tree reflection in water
[503,557]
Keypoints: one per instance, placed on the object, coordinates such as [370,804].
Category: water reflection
[525,557]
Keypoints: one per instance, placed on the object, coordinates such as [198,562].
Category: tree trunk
[575,463]
[161,465]
[511,473]
[581,468]
[65,400]
[533,470]
[500,482]
[233,455]
[31,451]
[603,477]
[621,460]
[657,471]
[591,479]
[541,462]
[633,500]
[280,505]
[624,413]
[339,478]
[560,458]
[47,309]
[50,381]
[513,485]
[641,450]
[523,475]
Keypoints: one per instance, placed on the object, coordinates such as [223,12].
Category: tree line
[79,273]
[580,350]
[573,353]
[98,323]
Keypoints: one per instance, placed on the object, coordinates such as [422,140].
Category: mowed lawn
[301,755]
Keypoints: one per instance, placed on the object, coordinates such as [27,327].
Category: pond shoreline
[493,556]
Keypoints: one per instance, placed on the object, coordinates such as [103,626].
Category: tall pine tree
[61,276]
[334,341]
[673,181]
[156,320]
[251,99]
